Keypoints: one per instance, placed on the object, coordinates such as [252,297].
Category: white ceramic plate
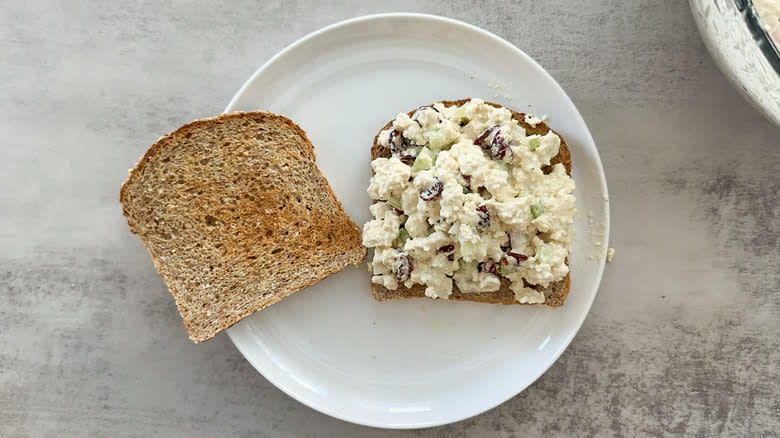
[419,362]
[742,51]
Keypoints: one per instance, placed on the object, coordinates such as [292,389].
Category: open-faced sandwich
[472,201]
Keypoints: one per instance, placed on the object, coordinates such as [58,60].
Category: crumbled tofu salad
[463,199]
[769,13]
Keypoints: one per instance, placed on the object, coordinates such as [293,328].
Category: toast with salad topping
[440,246]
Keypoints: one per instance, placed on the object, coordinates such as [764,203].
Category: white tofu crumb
[610,254]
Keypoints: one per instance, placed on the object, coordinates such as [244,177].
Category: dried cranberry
[518,256]
[513,258]
[397,142]
[480,140]
[398,211]
[498,146]
[422,108]
[407,159]
[403,268]
[484,216]
[432,192]
[451,257]
[488,267]
[391,140]
[508,245]
[447,248]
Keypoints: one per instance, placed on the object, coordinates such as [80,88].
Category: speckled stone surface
[682,338]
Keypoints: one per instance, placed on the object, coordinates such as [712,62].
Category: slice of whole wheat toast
[554,295]
[236,215]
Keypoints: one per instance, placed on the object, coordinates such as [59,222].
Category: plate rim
[232,332]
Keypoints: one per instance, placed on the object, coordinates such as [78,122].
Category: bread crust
[554,295]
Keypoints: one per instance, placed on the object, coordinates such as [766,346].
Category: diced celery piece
[468,250]
[542,252]
[438,141]
[534,143]
[403,236]
[395,202]
[504,270]
[537,209]
[424,160]
[460,115]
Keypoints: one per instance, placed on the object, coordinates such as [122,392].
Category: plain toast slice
[236,215]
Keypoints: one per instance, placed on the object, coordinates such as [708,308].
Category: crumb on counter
[610,254]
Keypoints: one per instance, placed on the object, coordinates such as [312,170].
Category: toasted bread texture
[236,215]
[554,295]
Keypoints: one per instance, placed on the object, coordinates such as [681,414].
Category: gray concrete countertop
[681,340]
